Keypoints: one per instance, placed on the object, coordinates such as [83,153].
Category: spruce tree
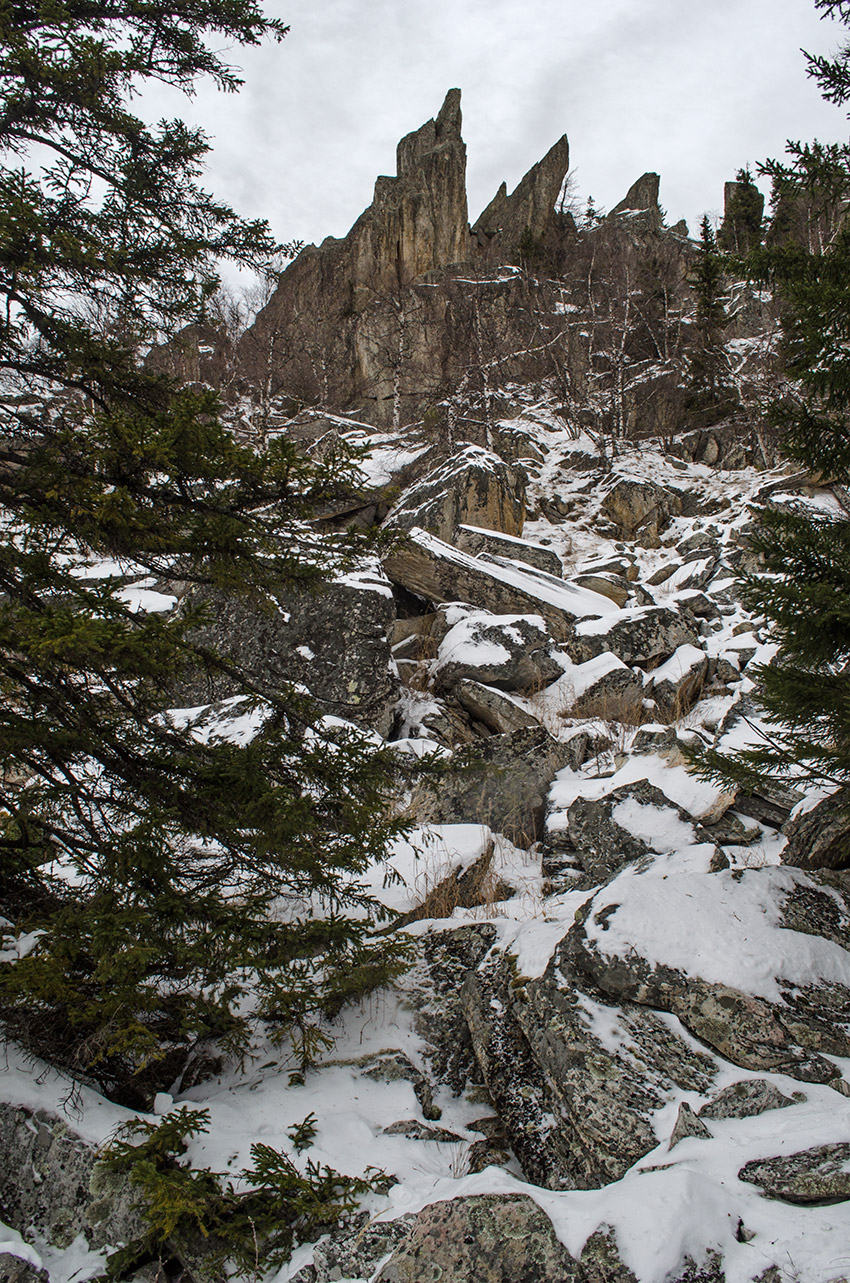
[709,395]
[804,591]
[149,879]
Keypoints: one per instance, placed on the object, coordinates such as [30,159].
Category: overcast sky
[689,88]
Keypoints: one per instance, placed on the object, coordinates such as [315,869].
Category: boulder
[753,1004]
[746,1099]
[493,708]
[53,1182]
[639,507]
[476,541]
[333,641]
[627,823]
[430,568]
[677,683]
[510,652]
[687,1125]
[355,1252]
[15,1269]
[643,635]
[433,987]
[577,1082]
[820,838]
[503,782]
[485,1238]
[616,587]
[692,574]
[603,687]
[819,1175]
[473,487]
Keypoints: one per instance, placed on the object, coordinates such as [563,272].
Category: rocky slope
[623,1052]
[631,1005]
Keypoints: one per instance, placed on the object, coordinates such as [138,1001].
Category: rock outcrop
[511,225]
[640,204]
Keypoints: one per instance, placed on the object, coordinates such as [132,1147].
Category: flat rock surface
[819,1175]
[763,995]
[495,1238]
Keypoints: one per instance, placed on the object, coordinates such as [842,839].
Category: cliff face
[414,317]
[375,319]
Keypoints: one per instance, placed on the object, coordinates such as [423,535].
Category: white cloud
[693,91]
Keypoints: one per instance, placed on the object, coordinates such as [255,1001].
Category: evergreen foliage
[805,589]
[154,876]
[240,1231]
[709,391]
[741,230]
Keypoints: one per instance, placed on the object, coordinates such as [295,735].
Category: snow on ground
[671,1203]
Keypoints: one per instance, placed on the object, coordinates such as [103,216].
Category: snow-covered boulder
[433,569]
[510,652]
[494,709]
[818,1175]
[495,543]
[602,687]
[638,635]
[577,1082]
[632,821]
[719,951]
[819,837]
[474,487]
[676,684]
[334,641]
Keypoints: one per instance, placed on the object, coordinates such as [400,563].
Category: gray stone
[819,905]
[654,738]
[475,540]
[474,487]
[330,333]
[434,986]
[334,641]
[604,845]
[577,1106]
[600,1259]
[745,1099]
[493,708]
[677,684]
[820,838]
[819,1175]
[513,653]
[772,803]
[698,603]
[394,1066]
[503,782]
[354,1252]
[448,725]
[53,1182]
[13,1269]
[615,696]
[687,1124]
[791,1036]
[638,635]
[616,587]
[639,506]
[487,1238]
[430,568]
